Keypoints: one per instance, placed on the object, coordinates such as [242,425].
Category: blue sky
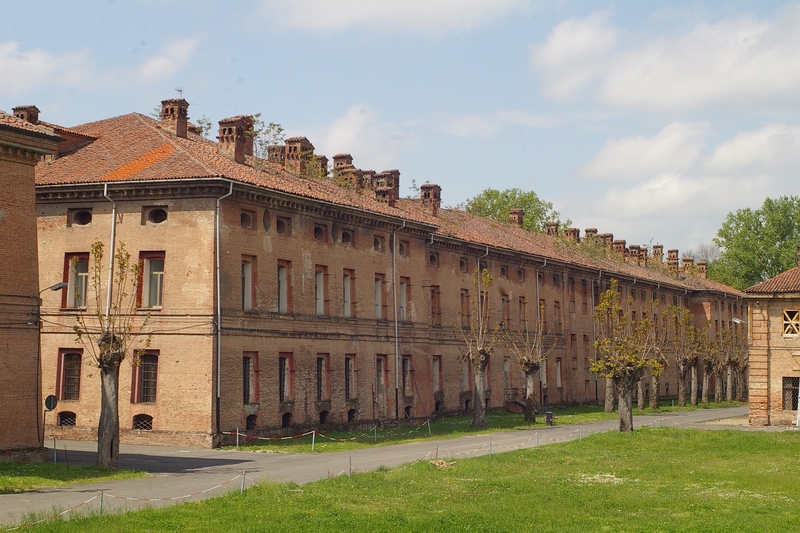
[649,120]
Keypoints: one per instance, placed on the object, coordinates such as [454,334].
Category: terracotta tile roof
[14,122]
[788,281]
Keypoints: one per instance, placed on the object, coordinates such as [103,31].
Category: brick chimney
[572,234]
[516,217]
[620,245]
[672,259]
[342,161]
[431,197]
[551,228]
[277,154]
[175,116]
[688,264]
[386,195]
[298,152]
[633,253]
[590,233]
[28,113]
[387,179]
[233,137]
[642,256]
[658,253]
[702,269]
[607,238]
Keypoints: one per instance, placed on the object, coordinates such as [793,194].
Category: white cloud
[173,56]
[437,17]
[677,147]
[24,71]
[373,143]
[740,61]
[573,51]
[774,148]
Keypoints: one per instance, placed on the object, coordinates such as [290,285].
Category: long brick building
[22,145]
[280,296]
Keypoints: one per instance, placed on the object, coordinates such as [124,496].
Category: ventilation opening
[66,419]
[323,418]
[82,218]
[467,405]
[286,420]
[351,415]
[250,422]
[407,411]
[143,422]
[157,216]
[437,406]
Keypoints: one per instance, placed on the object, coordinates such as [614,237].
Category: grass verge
[23,477]
[655,479]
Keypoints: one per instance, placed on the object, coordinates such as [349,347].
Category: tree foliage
[107,331]
[495,205]
[758,244]
[625,348]
[478,340]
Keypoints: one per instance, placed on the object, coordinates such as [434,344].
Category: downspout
[218,318]
[111,255]
[396,324]
[594,336]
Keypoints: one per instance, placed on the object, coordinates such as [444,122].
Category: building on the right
[774,326]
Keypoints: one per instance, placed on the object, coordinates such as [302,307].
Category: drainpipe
[111,255]
[396,324]
[218,318]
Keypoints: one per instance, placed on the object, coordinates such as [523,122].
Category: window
[466,374]
[790,387]
[68,386]
[521,275]
[523,311]
[463,264]
[320,233]
[558,372]
[284,284]
[381,374]
[406,383]
[283,226]
[250,377]
[248,282]
[349,376]
[433,259]
[556,280]
[145,378]
[791,322]
[143,422]
[285,391]
[152,279]
[504,271]
[437,373]
[378,243]
[323,376]
[464,309]
[67,419]
[320,289]
[79,217]
[153,215]
[77,270]
[505,309]
[347,238]
[404,248]
[380,313]
[247,219]
[348,290]
[543,374]
[436,306]
[404,293]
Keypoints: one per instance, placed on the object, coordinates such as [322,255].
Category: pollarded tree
[478,340]
[107,332]
[684,345]
[733,349]
[709,353]
[625,349]
[530,348]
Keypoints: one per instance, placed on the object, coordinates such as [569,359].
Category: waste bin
[548,418]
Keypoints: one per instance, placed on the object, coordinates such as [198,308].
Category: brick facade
[335,300]
[21,147]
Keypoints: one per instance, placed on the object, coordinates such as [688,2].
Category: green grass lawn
[655,479]
[22,477]
[445,428]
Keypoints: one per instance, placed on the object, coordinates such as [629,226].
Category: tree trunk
[610,396]
[108,426]
[706,381]
[653,392]
[479,365]
[729,384]
[530,396]
[693,378]
[624,400]
[739,385]
[640,395]
[681,384]
[719,386]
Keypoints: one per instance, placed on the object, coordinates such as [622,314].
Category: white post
[313,439]
[244,476]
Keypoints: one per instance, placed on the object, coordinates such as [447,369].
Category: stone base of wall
[24,455]
[133,436]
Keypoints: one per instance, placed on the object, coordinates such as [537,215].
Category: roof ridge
[150,123]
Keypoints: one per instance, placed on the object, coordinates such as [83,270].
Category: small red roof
[784,282]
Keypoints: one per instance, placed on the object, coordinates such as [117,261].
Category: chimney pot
[551,228]
[233,137]
[175,116]
[28,113]
[431,197]
[516,217]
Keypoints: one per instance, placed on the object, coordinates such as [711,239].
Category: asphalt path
[190,474]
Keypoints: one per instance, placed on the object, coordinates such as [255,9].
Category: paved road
[180,474]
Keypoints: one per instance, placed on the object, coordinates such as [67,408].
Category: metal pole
[244,476]
[55,452]
[101,503]
[350,467]
[313,439]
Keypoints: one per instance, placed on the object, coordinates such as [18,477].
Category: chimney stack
[672,259]
[551,228]
[702,269]
[688,264]
[233,137]
[516,217]
[620,245]
[299,151]
[658,253]
[573,234]
[431,197]
[175,116]
[607,238]
[28,113]
[386,195]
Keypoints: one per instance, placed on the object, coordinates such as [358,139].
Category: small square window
[791,322]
